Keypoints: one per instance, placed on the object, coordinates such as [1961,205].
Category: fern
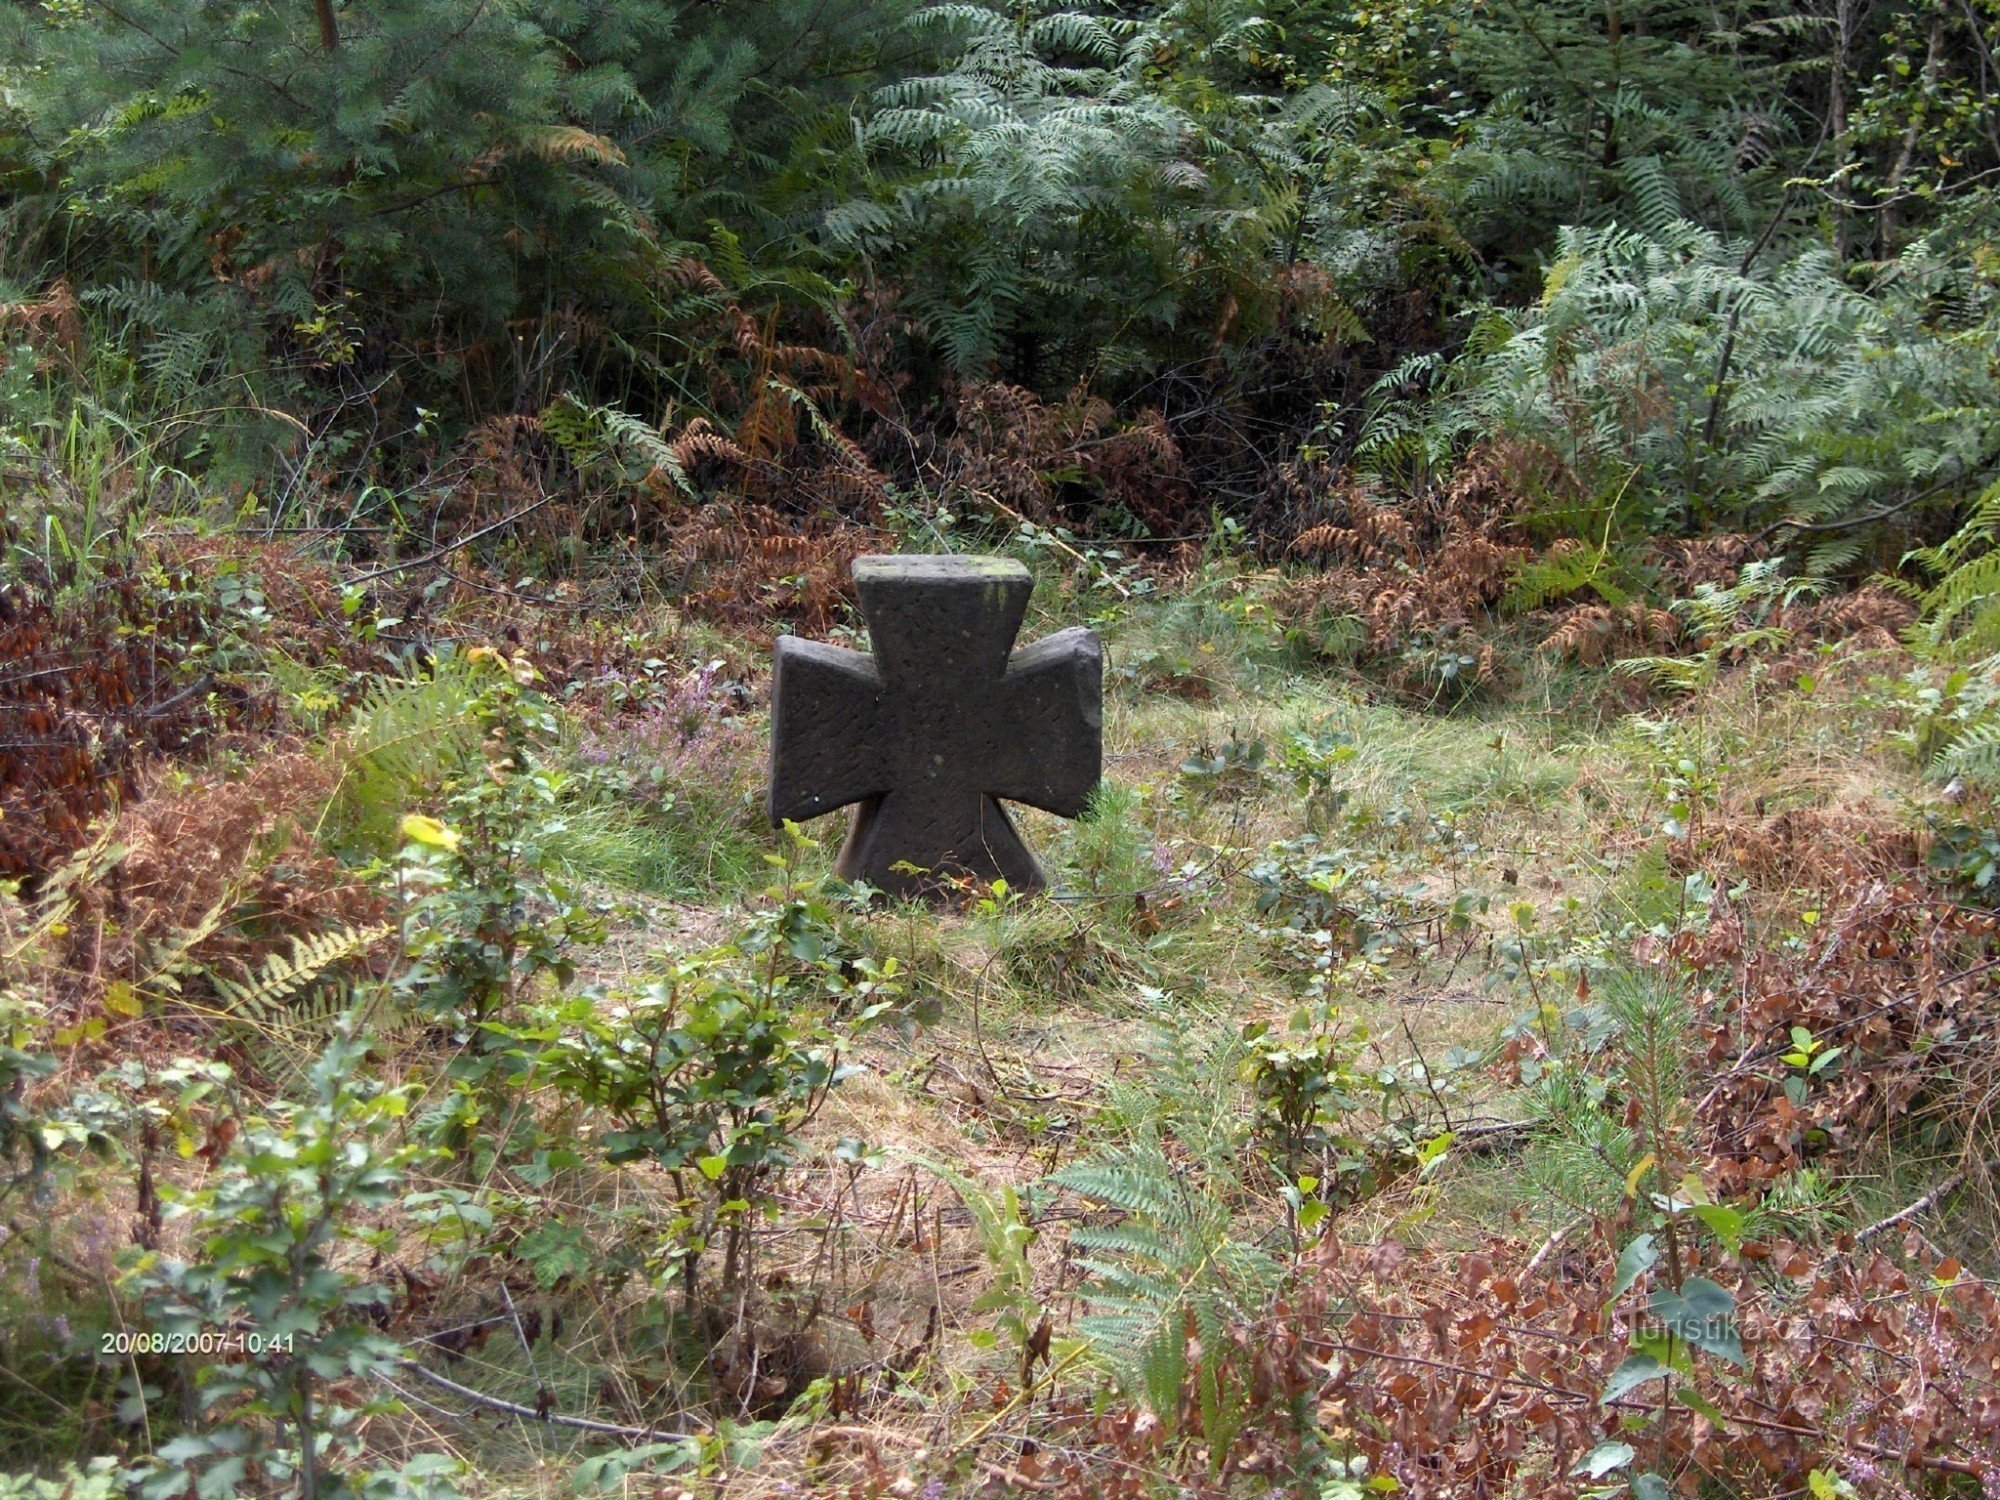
[1172,1267]
[26,922]
[169,960]
[1045,196]
[1838,410]
[1725,623]
[1973,751]
[594,436]
[269,999]
[404,739]
[1651,186]
[1656,145]
[1962,608]
[1562,572]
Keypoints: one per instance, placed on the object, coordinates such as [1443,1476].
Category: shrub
[271,1285]
[1058,217]
[711,1071]
[1306,1088]
[275,205]
[1679,382]
[484,911]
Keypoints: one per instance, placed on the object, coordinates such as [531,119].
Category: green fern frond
[1172,1265]
[1965,605]
[262,1000]
[1561,573]
[1132,1185]
[1974,752]
[1671,673]
[404,739]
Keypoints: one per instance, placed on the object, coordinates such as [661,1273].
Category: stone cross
[931,733]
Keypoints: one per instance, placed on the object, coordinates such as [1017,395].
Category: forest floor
[1317,952]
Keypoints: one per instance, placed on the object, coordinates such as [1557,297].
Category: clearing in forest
[1515,1075]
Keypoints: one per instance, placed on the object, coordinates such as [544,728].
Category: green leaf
[1634,1261]
[1432,1151]
[1602,1459]
[1635,1371]
[1650,1487]
[184,1449]
[1694,1400]
[607,1471]
[1726,1223]
[1702,1315]
[555,1251]
[220,1480]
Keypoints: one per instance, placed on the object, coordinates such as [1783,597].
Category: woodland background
[1536,469]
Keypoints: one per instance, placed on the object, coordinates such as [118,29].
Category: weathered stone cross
[938,726]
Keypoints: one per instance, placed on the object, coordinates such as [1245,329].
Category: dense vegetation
[1520,1015]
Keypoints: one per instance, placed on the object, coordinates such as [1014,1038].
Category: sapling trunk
[308,1455]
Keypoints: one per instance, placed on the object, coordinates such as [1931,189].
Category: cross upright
[939,726]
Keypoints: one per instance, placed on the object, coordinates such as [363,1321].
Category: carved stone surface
[932,732]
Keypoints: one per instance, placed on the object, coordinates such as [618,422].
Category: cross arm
[825,704]
[1054,707]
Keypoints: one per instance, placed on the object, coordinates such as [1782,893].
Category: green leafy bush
[1307,1089]
[99,1479]
[1681,382]
[711,1071]
[272,211]
[485,908]
[1059,215]
[270,1303]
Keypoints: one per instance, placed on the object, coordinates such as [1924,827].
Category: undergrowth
[1567,1070]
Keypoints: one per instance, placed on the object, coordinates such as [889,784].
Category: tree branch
[515,1409]
[1904,1215]
[450,547]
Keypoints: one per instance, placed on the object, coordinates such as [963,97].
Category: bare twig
[522,1334]
[1904,1215]
[1549,1246]
[450,547]
[1497,1136]
[515,1409]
